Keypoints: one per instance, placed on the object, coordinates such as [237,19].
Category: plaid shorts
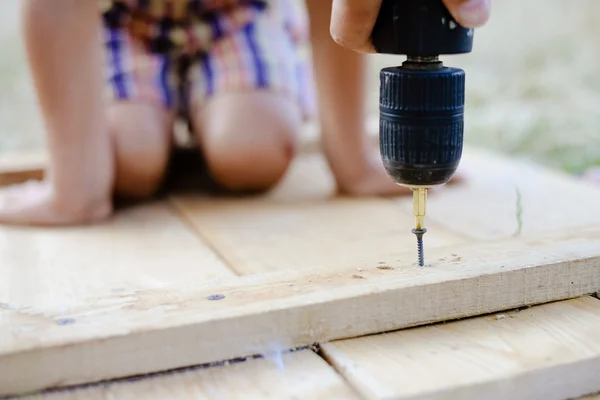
[175,53]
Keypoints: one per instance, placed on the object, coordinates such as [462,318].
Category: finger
[352,22]
[469,13]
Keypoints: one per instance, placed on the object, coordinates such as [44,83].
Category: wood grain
[145,247]
[289,376]
[262,236]
[548,352]
[302,223]
[484,206]
[156,330]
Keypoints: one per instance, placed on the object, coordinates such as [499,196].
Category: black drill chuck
[421,102]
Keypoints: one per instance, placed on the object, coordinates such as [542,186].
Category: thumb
[469,13]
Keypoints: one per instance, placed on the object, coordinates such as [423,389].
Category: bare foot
[34,203]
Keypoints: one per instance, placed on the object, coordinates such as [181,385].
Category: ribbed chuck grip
[421,123]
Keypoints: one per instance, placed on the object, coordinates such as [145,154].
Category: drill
[421,102]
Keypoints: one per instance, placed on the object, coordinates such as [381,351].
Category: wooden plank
[258,237]
[484,207]
[157,329]
[145,247]
[302,224]
[298,375]
[21,167]
[545,352]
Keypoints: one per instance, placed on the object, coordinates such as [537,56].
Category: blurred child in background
[112,76]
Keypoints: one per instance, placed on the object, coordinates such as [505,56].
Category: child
[232,68]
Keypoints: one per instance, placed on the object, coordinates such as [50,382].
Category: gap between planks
[156,330]
[514,354]
[286,375]
[550,352]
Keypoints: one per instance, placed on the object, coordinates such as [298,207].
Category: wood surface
[146,247]
[549,352]
[20,167]
[258,237]
[288,376]
[161,329]
[130,296]
[484,206]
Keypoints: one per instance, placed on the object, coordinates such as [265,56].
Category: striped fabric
[173,52]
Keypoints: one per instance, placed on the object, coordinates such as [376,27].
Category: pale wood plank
[544,352]
[298,375]
[146,247]
[485,205]
[303,224]
[157,330]
[22,166]
[258,237]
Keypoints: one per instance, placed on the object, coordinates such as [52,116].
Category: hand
[352,20]
[35,203]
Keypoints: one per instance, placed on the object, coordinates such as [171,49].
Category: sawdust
[358,276]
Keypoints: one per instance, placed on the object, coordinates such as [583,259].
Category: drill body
[421,101]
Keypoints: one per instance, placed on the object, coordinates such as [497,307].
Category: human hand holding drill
[352,21]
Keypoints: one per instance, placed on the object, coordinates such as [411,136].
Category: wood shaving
[384,267]
[357,276]
[499,316]
[359,269]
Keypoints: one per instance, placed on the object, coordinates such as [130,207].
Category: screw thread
[420,253]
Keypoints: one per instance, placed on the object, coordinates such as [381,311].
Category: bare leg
[67,72]
[341,79]
[142,135]
[248,138]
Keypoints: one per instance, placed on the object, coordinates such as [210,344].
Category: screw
[216,297]
[419,233]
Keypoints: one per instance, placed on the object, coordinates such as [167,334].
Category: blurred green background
[533,83]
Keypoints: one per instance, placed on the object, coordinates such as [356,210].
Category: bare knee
[141,135]
[249,139]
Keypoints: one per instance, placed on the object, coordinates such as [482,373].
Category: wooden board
[485,206]
[145,247]
[259,237]
[21,167]
[312,264]
[289,376]
[545,352]
[155,330]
